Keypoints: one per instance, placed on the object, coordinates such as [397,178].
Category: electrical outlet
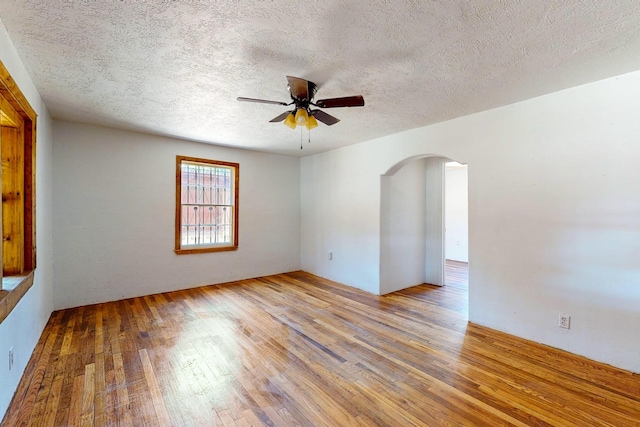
[564,321]
[11,358]
[330,255]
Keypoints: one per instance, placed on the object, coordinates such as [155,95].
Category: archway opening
[413,234]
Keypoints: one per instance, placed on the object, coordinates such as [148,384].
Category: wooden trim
[12,94]
[178,201]
[236,211]
[10,90]
[9,299]
[204,250]
[30,196]
[236,207]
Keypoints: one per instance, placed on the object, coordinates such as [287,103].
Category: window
[206,205]
[17,179]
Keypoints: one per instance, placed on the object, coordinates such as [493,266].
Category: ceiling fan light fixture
[302,93]
[312,123]
[301,117]
[290,121]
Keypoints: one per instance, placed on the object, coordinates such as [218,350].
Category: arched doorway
[412,223]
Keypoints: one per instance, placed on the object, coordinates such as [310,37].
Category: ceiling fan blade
[301,89]
[281,117]
[325,118]
[347,101]
[261,101]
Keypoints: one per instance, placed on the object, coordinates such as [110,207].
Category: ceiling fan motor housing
[301,91]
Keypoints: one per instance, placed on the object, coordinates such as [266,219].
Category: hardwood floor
[295,349]
[456,274]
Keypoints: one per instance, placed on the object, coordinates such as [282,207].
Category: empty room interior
[320,214]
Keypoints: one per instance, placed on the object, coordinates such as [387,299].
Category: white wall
[434,219]
[114,213]
[456,212]
[402,223]
[340,212]
[22,328]
[554,216]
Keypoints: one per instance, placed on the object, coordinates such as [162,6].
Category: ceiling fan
[302,92]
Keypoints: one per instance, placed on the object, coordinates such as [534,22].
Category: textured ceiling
[175,67]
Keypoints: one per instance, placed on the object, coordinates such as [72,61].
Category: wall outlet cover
[564,321]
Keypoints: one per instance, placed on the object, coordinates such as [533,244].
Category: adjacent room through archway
[456,225]
[416,247]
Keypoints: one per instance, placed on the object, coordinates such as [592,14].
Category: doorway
[456,225]
[412,223]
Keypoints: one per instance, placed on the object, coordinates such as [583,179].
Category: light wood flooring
[456,274]
[297,350]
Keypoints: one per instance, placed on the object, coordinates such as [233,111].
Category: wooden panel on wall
[12,149]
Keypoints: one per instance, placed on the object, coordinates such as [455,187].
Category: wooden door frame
[18,286]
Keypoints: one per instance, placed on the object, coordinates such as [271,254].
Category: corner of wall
[21,330]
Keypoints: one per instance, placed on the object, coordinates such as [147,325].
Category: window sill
[204,250]
[13,289]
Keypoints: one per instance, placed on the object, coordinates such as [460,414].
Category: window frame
[192,249]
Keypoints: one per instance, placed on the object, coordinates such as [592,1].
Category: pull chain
[302,136]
